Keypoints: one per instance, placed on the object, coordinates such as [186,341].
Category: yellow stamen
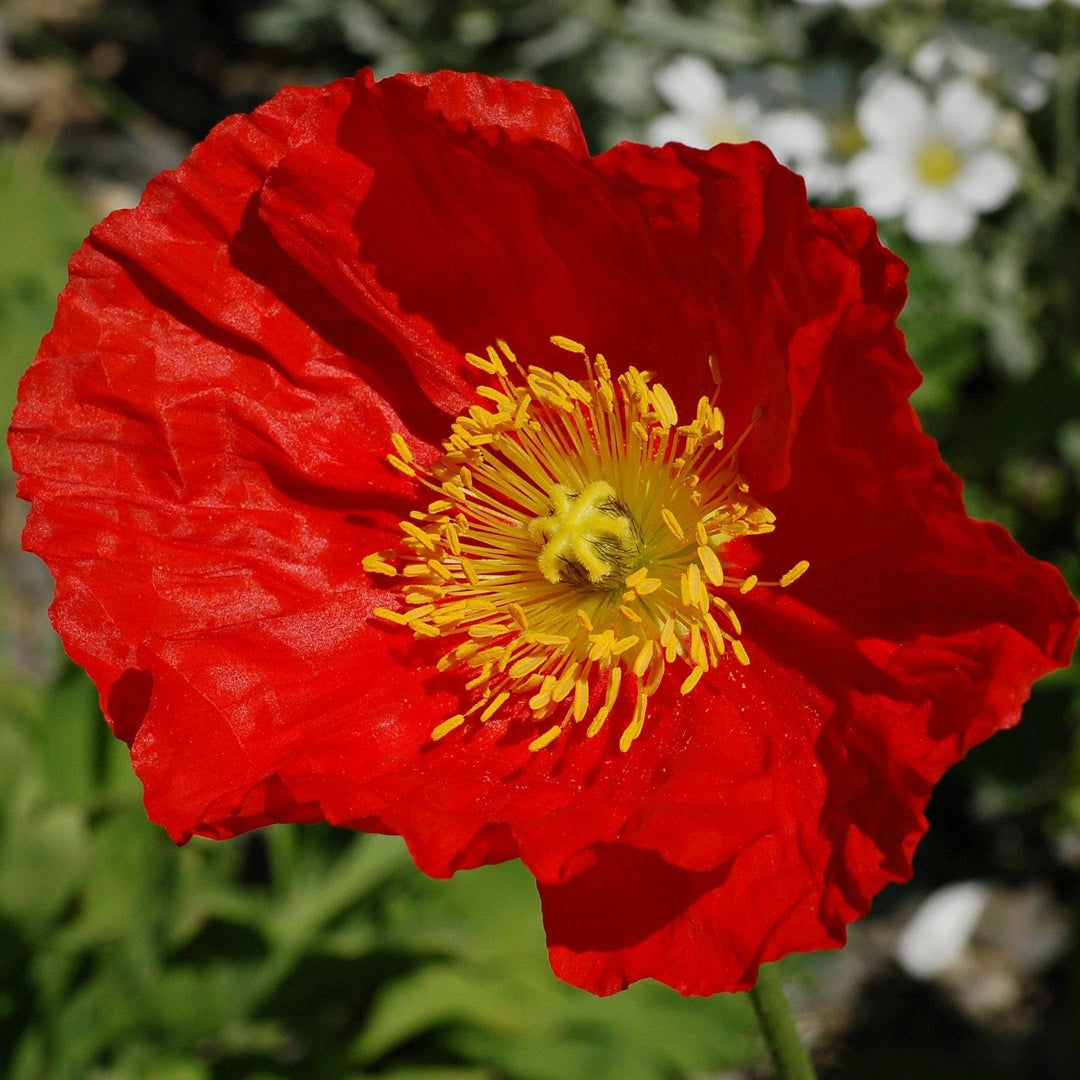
[447,726]
[794,573]
[575,531]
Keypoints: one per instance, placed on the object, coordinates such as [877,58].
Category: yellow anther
[610,697]
[641,661]
[714,634]
[401,446]
[794,573]
[654,676]
[748,584]
[565,683]
[667,632]
[387,615]
[567,343]
[740,652]
[665,407]
[482,677]
[542,698]
[549,736]
[521,412]
[492,394]
[672,524]
[447,726]
[633,729]
[526,666]
[692,680]
[581,699]
[424,538]
[401,466]
[478,362]
[711,564]
[376,564]
[602,644]
[450,536]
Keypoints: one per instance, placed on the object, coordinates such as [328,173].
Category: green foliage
[41,222]
[303,952]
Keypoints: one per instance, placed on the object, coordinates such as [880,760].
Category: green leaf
[42,222]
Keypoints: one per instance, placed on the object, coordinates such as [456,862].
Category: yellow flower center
[937,164]
[589,537]
[574,552]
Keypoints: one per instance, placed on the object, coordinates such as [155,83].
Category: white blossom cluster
[934,148]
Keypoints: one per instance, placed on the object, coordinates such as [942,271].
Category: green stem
[777,1026]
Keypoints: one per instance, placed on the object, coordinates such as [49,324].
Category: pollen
[580,547]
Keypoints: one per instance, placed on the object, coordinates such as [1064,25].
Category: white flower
[930,162]
[1023,75]
[939,931]
[703,114]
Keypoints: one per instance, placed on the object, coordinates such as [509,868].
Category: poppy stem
[778,1027]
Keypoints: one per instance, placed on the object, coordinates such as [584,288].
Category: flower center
[574,554]
[937,164]
[588,537]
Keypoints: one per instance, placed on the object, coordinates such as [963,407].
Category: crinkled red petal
[203,437]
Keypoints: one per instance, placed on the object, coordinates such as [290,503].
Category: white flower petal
[882,180]
[892,112]
[794,135]
[824,179]
[987,180]
[680,128]
[691,84]
[966,115]
[930,58]
[742,115]
[1030,92]
[938,217]
[939,931]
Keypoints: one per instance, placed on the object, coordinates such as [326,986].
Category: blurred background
[313,954]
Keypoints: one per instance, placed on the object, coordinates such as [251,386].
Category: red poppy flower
[403,466]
